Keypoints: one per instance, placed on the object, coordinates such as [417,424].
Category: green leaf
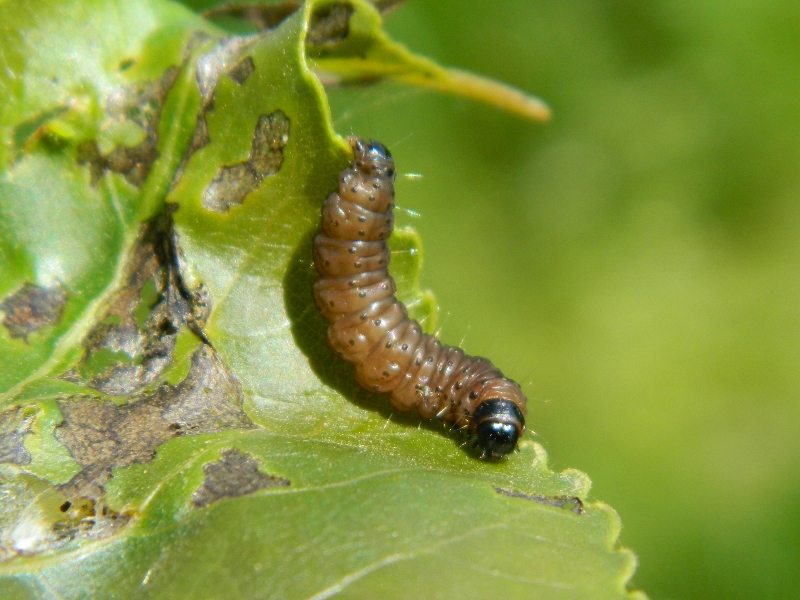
[175,424]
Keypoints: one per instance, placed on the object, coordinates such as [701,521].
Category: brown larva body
[370,328]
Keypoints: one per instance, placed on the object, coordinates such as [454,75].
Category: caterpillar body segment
[371,329]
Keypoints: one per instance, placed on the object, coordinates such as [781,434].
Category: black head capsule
[372,157]
[497,426]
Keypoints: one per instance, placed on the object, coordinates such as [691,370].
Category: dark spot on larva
[389,344]
[234,474]
[353,283]
[354,189]
[364,317]
[233,183]
[484,382]
[141,105]
[458,386]
[376,184]
[439,389]
[331,303]
[386,373]
[449,363]
[362,233]
[352,342]
[242,70]
[31,308]
[353,250]
[430,359]
[362,294]
[327,263]
[380,262]
[572,503]
[404,347]
[372,198]
[336,223]
[465,370]
[473,395]
[418,362]
[101,435]
[15,424]
[65,507]
[357,265]
[384,286]
[415,329]
[362,219]
[378,322]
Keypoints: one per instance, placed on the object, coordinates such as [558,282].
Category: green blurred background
[634,263]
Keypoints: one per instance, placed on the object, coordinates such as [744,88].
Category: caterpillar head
[371,157]
[497,423]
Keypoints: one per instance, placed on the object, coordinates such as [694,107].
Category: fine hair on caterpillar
[370,328]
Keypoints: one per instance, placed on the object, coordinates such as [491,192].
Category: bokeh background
[635,263]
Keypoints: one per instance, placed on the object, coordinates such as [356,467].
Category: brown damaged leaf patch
[102,436]
[242,70]
[330,24]
[141,104]
[15,423]
[32,307]
[135,338]
[224,57]
[234,474]
[233,183]
[572,503]
[38,518]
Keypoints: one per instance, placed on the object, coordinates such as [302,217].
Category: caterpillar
[370,328]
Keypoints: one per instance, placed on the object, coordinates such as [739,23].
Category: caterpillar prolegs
[370,328]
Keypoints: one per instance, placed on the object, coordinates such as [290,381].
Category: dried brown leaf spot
[242,70]
[330,24]
[102,436]
[572,503]
[14,425]
[233,183]
[142,104]
[138,331]
[32,307]
[234,474]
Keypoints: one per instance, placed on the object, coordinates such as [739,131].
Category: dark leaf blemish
[233,183]
[234,474]
[242,70]
[14,425]
[134,341]
[140,103]
[102,436]
[330,24]
[32,307]
[572,503]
